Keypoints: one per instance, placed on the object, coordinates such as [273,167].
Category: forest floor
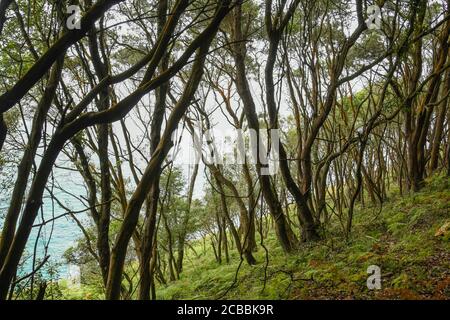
[409,239]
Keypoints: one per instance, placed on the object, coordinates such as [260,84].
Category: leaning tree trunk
[283,232]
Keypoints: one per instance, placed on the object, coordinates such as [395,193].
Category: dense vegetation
[225,149]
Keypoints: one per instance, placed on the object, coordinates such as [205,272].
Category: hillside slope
[409,240]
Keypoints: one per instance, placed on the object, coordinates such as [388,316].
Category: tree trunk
[283,232]
[439,125]
[12,216]
[3,131]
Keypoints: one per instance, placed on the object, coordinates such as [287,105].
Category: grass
[415,264]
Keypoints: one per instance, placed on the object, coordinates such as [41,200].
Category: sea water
[55,237]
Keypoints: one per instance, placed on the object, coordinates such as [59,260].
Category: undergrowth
[401,239]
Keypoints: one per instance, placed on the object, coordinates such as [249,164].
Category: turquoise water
[57,236]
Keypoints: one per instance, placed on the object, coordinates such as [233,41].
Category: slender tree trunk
[155,135]
[182,235]
[105,176]
[3,131]
[12,216]
[439,126]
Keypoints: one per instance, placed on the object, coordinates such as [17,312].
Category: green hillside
[402,239]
